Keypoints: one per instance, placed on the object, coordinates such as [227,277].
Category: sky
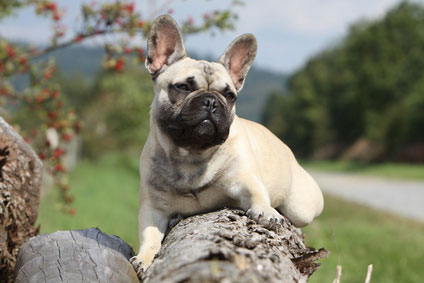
[288,31]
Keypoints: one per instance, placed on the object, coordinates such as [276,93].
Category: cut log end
[75,256]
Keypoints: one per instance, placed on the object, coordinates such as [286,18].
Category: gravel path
[399,196]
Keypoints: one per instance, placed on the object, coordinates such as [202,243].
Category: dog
[200,156]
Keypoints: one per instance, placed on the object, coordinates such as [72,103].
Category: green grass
[106,196]
[357,236]
[389,170]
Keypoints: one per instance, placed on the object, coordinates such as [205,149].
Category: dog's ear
[238,58]
[165,44]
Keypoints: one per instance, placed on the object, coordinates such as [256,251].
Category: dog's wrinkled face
[194,100]
[195,103]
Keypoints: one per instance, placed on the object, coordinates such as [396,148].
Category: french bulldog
[200,156]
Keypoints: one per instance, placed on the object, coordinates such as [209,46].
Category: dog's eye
[182,87]
[230,96]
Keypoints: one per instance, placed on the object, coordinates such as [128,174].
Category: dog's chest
[181,177]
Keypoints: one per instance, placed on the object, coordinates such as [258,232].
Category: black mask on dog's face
[201,120]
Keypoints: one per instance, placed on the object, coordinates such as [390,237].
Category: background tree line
[361,99]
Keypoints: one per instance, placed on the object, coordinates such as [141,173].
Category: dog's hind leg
[304,201]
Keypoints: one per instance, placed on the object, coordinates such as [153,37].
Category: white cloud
[311,17]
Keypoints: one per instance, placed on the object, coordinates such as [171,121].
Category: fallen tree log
[222,246]
[20,180]
[227,246]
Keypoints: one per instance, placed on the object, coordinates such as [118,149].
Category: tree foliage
[367,86]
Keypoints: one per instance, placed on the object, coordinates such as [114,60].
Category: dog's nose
[210,103]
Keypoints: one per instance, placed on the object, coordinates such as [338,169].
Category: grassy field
[106,196]
[389,170]
[357,236]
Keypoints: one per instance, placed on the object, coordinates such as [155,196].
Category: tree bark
[222,246]
[227,246]
[20,179]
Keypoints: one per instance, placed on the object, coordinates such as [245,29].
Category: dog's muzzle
[204,121]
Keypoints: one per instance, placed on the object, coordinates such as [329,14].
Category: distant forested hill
[259,84]
[78,59]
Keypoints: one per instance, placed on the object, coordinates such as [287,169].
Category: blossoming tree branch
[52,122]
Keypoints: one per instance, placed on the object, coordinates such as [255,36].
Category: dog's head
[195,100]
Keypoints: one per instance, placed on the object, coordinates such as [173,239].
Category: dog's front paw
[139,265]
[267,216]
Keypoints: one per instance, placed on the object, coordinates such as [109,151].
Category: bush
[118,119]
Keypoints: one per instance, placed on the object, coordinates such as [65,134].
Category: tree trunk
[222,246]
[20,179]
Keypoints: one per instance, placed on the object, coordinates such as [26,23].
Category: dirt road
[399,196]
